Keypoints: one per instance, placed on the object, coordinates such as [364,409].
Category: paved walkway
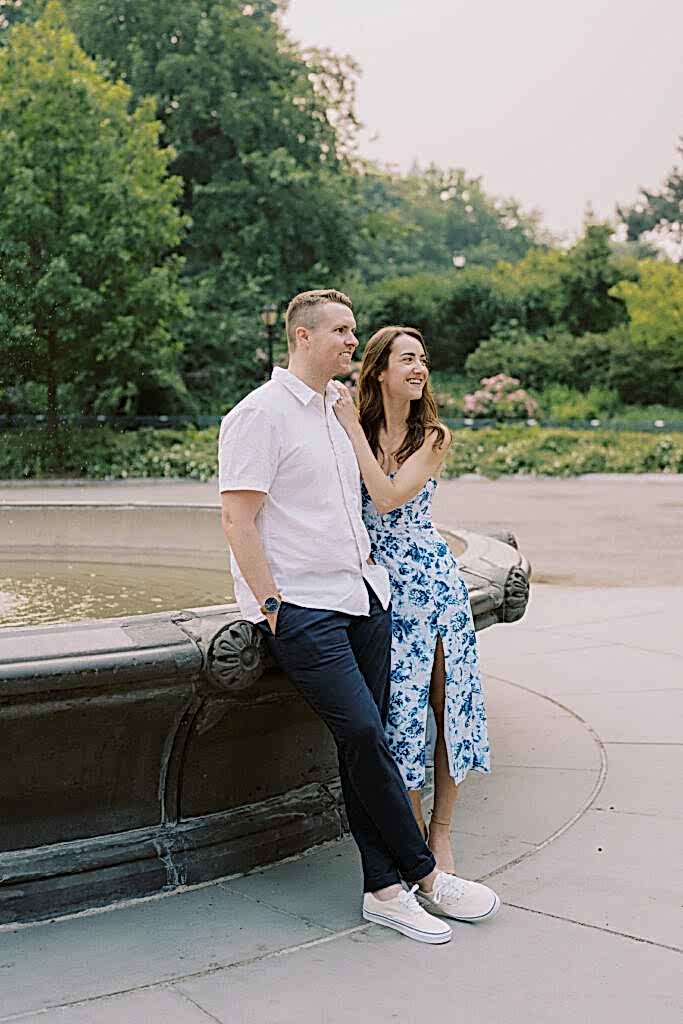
[579,828]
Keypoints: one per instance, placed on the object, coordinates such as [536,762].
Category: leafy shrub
[538,361]
[643,373]
[616,360]
[559,402]
[103,453]
[500,398]
[455,312]
[106,454]
[502,450]
[449,391]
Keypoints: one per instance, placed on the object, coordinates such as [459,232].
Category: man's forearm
[247,547]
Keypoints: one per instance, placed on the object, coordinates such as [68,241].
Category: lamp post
[269,320]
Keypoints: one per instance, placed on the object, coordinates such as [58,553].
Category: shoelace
[449,886]
[407,899]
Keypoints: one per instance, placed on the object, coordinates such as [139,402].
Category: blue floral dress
[429,597]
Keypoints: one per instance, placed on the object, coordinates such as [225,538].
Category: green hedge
[103,453]
[505,450]
[494,451]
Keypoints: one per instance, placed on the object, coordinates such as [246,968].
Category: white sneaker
[456,897]
[405,914]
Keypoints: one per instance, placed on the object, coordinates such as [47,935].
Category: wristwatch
[271,604]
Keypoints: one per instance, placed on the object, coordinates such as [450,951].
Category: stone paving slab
[621,872]
[141,944]
[612,668]
[633,717]
[533,741]
[521,967]
[573,610]
[658,632]
[323,887]
[643,779]
[527,804]
[155,1006]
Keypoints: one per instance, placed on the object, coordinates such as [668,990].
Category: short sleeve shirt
[285,441]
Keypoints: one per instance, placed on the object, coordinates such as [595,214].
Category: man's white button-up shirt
[285,440]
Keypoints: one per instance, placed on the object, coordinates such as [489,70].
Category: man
[300,556]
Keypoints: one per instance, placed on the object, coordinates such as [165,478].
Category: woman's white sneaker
[405,915]
[456,897]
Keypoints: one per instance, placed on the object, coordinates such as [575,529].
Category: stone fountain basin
[150,752]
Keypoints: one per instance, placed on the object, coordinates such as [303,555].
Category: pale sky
[555,103]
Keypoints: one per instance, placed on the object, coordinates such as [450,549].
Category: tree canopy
[432,220]
[88,220]
[169,167]
[657,216]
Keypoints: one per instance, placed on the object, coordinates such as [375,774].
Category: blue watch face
[271,604]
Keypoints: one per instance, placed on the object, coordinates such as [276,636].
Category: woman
[400,446]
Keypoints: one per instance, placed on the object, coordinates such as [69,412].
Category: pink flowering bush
[500,398]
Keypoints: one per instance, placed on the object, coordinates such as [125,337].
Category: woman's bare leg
[415,796]
[445,789]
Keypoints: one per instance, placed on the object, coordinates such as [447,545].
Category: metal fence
[18,422]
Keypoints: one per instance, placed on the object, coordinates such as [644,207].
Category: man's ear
[302,335]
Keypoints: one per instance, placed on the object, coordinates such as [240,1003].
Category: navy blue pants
[341,664]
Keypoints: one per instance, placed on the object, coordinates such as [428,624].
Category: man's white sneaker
[456,897]
[406,915]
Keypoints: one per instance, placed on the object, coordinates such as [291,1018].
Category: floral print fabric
[429,597]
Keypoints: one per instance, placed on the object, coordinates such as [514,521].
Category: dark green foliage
[506,450]
[588,273]
[419,222]
[89,289]
[614,360]
[495,451]
[267,179]
[539,361]
[454,311]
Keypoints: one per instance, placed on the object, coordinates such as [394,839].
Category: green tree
[422,221]
[455,311]
[263,134]
[88,285]
[658,216]
[588,273]
[533,289]
[651,364]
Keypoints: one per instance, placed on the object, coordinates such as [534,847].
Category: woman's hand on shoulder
[345,407]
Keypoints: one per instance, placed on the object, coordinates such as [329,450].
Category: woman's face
[406,372]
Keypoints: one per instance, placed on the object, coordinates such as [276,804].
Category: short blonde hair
[304,308]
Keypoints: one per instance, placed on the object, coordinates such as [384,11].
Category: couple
[301,530]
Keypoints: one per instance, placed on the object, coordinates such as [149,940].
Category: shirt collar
[299,389]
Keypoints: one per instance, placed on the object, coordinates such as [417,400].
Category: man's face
[332,340]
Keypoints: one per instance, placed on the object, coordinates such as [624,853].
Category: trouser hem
[423,868]
[382,882]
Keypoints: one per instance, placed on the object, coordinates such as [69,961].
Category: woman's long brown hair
[423,414]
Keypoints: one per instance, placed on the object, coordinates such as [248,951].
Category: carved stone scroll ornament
[235,660]
[236,657]
[516,594]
